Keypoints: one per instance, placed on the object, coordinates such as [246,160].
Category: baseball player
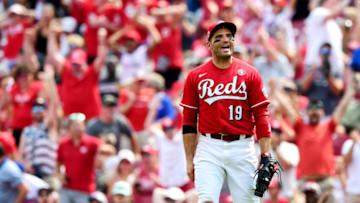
[224,99]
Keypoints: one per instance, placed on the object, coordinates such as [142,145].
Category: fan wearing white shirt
[134,50]
[172,161]
[351,154]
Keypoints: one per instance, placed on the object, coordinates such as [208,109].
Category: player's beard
[223,55]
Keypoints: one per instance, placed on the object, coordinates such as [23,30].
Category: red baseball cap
[149,149]
[280,2]
[134,35]
[78,56]
[167,123]
[216,26]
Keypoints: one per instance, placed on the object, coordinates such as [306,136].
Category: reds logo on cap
[216,26]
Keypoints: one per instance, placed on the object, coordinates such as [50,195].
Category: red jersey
[92,11]
[80,94]
[224,98]
[8,143]
[79,162]
[170,40]
[315,147]
[138,112]
[22,103]
[15,38]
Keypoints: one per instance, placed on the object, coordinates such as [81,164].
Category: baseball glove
[267,168]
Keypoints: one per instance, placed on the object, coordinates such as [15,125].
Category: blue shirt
[10,178]
[355,62]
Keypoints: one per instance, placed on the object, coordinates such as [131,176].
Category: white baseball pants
[216,160]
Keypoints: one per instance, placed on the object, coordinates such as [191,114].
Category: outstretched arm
[29,53]
[52,48]
[102,50]
[341,108]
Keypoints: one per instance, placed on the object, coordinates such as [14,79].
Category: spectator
[351,154]
[174,195]
[97,197]
[277,22]
[288,156]
[109,77]
[46,195]
[172,163]
[161,102]
[134,58]
[98,14]
[21,97]
[274,192]
[324,82]
[77,152]
[124,170]
[38,142]
[34,184]
[41,31]
[147,175]
[8,143]
[109,128]
[135,104]
[312,192]
[273,64]
[122,192]
[168,21]
[321,27]
[12,186]
[77,76]
[251,12]
[17,21]
[317,165]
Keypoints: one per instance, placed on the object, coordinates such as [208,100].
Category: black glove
[267,168]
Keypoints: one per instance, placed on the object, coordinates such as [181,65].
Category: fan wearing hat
[77,153]
[225,94]
[79,88]
[135,57]
[14,23]
[109,128]
[314,139]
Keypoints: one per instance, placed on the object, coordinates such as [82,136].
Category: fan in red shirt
[14,28]
[314,140]
[8,143]
[77,152]
[100,14]
[168,56]
[79,86]
[21,97]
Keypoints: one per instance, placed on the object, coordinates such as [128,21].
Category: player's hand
[190,170]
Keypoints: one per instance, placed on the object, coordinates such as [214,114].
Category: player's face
[222,43]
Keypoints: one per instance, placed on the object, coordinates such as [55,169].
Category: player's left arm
[259,102]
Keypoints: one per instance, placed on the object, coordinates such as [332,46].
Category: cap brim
[228,25]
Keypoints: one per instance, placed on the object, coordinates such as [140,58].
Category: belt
[226,137]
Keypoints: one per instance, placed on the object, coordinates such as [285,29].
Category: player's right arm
[190,104]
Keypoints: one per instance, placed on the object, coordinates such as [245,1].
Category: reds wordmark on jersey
[224,97]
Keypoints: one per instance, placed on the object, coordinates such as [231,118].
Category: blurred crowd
[89,94]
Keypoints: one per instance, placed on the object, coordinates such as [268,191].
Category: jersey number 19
[237,114]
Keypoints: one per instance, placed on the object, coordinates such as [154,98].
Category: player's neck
[222,63]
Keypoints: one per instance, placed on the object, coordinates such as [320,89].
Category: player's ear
[208,43]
